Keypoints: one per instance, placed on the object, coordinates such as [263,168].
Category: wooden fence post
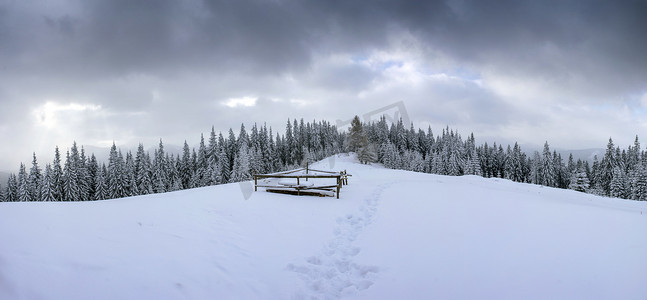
[338,186]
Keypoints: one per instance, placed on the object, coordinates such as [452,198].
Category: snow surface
[392,235]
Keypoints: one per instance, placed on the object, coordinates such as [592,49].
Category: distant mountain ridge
[586,154]
[4,177]
[583,154]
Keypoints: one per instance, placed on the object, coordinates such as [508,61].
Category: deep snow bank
[392,235]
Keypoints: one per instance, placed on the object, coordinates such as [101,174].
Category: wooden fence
[303,174]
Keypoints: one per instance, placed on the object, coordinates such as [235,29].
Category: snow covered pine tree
[358,142]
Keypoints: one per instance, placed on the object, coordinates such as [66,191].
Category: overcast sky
[573,73]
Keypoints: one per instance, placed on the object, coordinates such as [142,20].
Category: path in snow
[332,273]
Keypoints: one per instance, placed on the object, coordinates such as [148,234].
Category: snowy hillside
[392,235]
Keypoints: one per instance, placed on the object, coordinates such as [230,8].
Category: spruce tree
[607,168]
[133,188]
[101,187]
[223,166]
[275,153]
[516,162]
[632,182]
[11,194]
[143,172]
[24,192]
[267,149]
[571,166]
[34,180]
[186,166]
[367,154]
[47,185]
[160,176]
[298,143]
[128,175]
[400,138]
[561,177]
[536,169]
[76,166]
[289,153]
[437,165]
[84,176]
[144,176]
[548,172]
[70,180]
[241,170]
[231,149]
[390,156]
[57,176]
[382,131]
[194,182]
[413,161]
[215,173]
[640,188]
[92,169]
[116,177]
[202,165]
[453,161]
[618,184]
[194,164]
[175,180]
[473,167]
[429,158]
[579,181]
[223,159]
[356,136]
[256,161]
[213,144]
[487,160]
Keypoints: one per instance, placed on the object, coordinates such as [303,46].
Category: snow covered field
[392,235]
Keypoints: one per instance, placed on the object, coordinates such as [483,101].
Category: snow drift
[392,235]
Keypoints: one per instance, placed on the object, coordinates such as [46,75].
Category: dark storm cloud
[112,38]
[562,39]
[595,45]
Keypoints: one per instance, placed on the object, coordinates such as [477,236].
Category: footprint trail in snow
[332,273]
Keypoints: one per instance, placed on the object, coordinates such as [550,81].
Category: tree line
[80,177]
[619,173]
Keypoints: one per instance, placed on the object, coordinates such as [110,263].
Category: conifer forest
[75,175]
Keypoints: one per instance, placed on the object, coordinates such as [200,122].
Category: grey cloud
[597,41]
[594,47]
[346,77]
[64,25]
[456,103]
[584,45]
